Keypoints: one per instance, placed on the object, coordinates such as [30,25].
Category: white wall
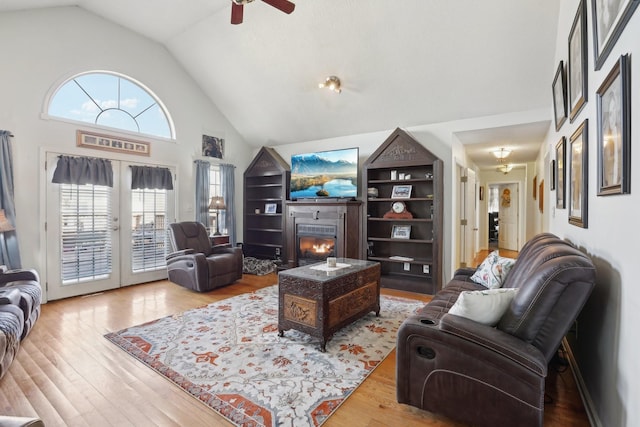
[41,48]
[607,349]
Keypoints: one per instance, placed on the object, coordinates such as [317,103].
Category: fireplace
[315,243]
[317,229]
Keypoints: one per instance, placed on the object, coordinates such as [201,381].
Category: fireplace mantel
[345,215]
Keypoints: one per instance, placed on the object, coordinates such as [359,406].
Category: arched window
[112,100]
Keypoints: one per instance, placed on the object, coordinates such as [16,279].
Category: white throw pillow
[486,306]
[493,270]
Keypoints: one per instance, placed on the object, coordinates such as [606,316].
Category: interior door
[508,217]
[471,207]
[101,238]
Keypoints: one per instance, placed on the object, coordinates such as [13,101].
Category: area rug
[229,356]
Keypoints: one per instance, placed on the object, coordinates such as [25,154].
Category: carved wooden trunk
[320,302]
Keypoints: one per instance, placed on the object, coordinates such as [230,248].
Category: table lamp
[217,204]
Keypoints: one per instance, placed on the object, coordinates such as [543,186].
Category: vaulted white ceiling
[402,63]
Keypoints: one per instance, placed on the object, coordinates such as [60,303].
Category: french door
[101,238]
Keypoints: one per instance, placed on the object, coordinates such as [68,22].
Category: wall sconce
[501,154]
[217,204]
[332,83]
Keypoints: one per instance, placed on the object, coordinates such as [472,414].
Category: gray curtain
[9,250]
[228,193]
[83,170]
[153,178]
[202,193]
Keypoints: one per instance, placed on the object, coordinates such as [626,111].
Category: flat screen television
[331,174]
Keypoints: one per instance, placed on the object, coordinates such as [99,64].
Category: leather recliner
[196,264]
[492,376]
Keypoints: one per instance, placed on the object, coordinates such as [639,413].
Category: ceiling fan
[237,7]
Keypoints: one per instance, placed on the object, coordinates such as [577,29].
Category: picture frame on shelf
[401,192]
[609,20]
[559,89]
[613,100]
[577,69]
[270,208]
[578,154]
[401,232]
[560,173]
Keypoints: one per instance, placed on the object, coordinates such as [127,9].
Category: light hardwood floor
[67,373]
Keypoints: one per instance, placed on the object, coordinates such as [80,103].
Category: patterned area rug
[228,355]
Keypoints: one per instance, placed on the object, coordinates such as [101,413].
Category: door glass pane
[85,214]
[148,236]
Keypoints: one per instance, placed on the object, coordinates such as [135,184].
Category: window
[148,236]
[215,189]
[111,100]
[85,212]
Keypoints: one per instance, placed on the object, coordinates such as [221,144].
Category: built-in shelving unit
[411,259]
[266,182]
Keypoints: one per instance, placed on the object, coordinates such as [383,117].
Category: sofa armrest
[180,253]
[18,275]
[10,296]
[494,339]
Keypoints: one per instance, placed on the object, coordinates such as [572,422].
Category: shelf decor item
[398,211]
[401,192]
[401,232]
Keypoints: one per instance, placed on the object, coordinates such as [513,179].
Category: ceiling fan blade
[236,13]
[284,5]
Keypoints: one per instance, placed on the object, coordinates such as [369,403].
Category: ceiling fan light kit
[237,8]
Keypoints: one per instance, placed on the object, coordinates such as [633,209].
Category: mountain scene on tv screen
[318,175]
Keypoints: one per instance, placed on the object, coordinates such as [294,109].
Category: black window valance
[151,178]
[83,170]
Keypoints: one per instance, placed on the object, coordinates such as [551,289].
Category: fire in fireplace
[315,243]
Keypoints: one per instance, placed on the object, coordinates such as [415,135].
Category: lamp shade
[5,225]
[501,153]
[217,202]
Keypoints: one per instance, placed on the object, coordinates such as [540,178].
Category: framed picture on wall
[552,175]
[559,89]
[609,19]
[579,175]
[613,100]
[577,70]
[560,172]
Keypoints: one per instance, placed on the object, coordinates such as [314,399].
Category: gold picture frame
[112,143]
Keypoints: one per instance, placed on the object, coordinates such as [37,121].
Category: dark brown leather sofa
[495,376]
[198,265]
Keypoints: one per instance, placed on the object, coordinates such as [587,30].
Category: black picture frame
[552,175]
[561,172]
[212,146]
[609,20]
[577,68]
[613,99]
[578,155]
[559,90]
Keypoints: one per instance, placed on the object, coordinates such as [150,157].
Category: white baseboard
[582,387]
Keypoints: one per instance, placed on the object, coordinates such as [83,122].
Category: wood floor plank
[67,373]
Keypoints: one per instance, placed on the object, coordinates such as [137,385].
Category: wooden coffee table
[320,301]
